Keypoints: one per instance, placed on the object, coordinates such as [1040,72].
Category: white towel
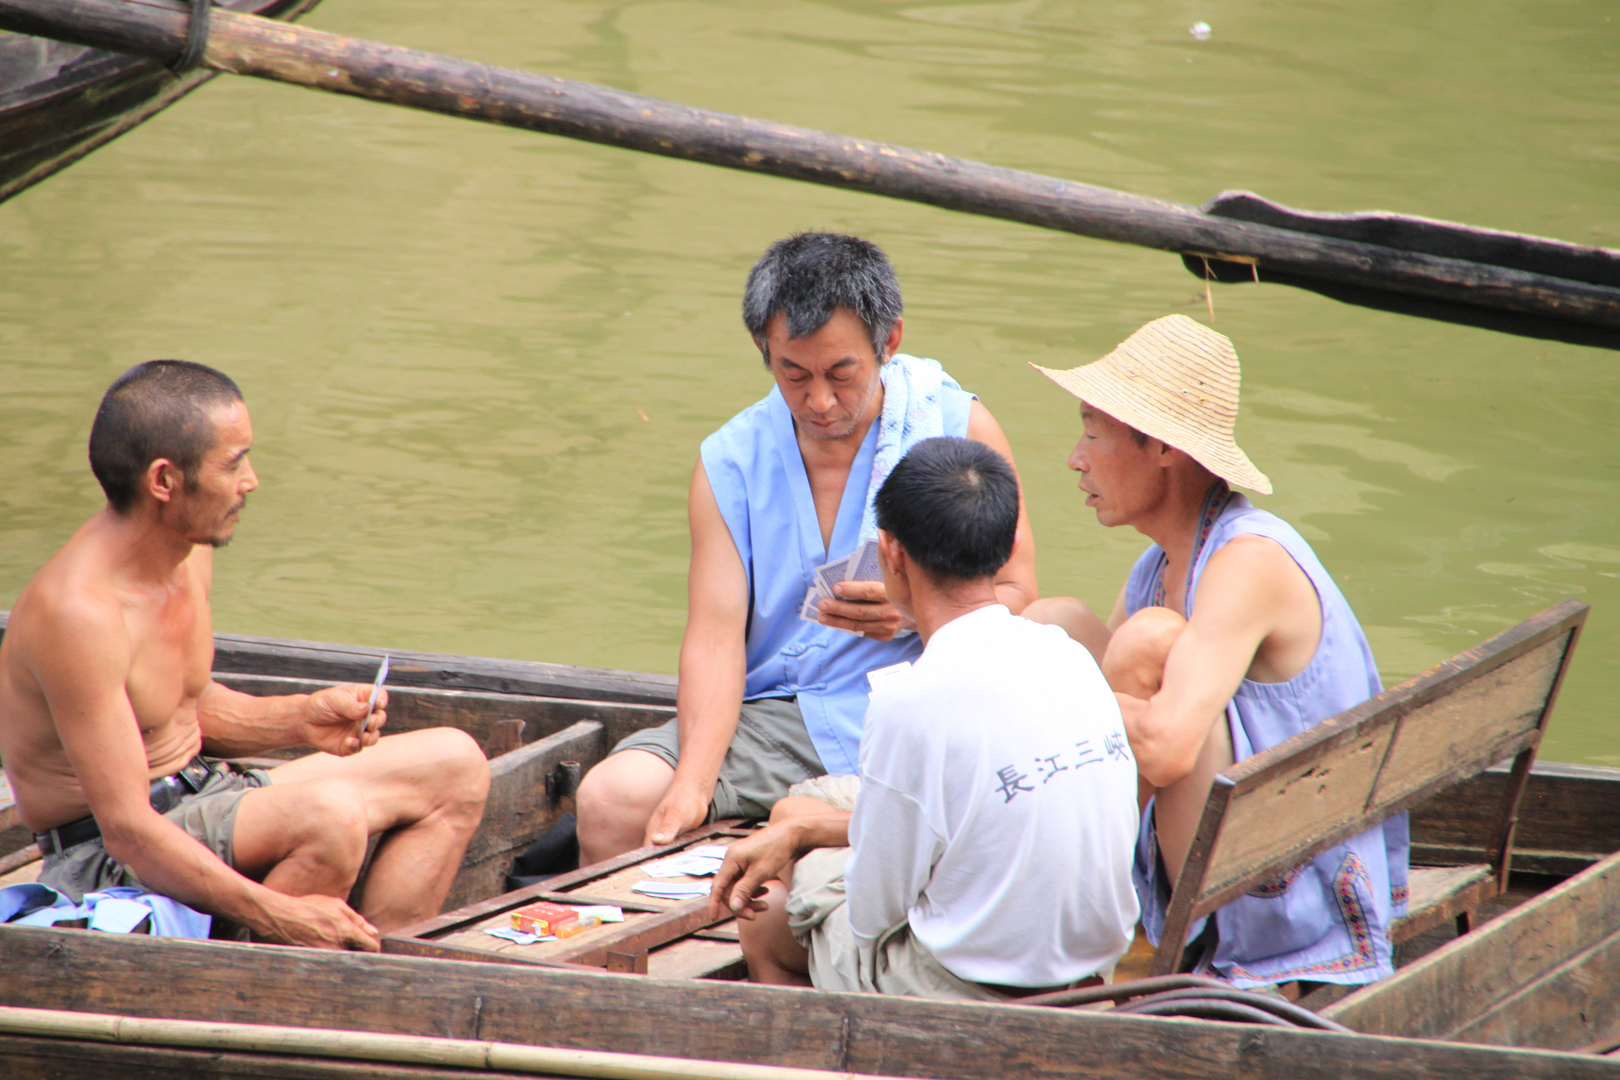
[911,413]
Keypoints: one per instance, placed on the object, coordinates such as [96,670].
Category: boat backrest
[1272,812]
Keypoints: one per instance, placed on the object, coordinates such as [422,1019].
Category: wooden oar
[1560,293]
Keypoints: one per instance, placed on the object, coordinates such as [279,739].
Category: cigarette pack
[548,919]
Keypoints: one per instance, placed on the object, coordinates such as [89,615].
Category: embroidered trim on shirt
[1277,885]
[1214,506]
[1399,894]
[1362,952]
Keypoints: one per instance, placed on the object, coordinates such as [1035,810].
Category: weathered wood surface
[478,713]
[519,807]
[651,923]
[1545,974]
[1402,232]
[715,1020]
[1277,809]
[83,101]
[1569,818]
[246,46]
[25,1058]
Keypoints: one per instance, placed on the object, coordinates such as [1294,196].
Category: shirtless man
[768,699]
[106,701]
[1270,649]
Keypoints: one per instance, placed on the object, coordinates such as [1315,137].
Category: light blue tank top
[1329,920]
[759,481]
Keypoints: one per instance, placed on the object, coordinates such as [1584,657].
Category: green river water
[480,361]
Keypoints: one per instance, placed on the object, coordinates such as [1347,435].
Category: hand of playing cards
[860,565]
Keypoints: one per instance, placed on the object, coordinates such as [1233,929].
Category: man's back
[996,778]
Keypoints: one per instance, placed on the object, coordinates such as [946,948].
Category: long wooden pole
[246,45]
[403,1049]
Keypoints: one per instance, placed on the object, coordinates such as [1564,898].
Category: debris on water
[1200,31]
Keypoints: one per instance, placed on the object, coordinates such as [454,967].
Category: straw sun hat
[1176,380]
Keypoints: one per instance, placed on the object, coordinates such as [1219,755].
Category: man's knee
[328,826]
[1134,662]
[460,770]
[1076,619]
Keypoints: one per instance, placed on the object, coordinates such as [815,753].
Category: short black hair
[953,505]
[159,409]
[810,275]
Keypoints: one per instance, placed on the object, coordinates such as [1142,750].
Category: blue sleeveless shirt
[759,481]
[1327,921]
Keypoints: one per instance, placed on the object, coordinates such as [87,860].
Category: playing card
[863,565]
[830,574]
[810,611]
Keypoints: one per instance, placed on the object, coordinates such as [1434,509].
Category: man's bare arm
[1015,582]
[1249,591]
[234,724]
[84,689]
[753,861]
[712,669]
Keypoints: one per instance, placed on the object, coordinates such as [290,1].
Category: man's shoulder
[748,425]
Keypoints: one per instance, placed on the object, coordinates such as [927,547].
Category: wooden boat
[542,723]
[58,101]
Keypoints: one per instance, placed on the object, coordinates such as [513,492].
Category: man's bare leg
[1078,620]
[1134,665]
[774,955]
[615,801]
[423,790]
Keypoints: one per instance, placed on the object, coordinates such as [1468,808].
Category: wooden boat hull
[59,102]
[714,1021]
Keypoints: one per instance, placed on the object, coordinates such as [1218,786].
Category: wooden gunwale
[862,1034]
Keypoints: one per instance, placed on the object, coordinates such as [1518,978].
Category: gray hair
[810,275]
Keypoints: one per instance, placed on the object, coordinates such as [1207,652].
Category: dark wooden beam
[245,45]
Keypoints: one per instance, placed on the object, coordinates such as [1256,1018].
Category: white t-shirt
[997,811]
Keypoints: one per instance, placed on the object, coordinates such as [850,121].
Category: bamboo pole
[263,48]
[398,1049]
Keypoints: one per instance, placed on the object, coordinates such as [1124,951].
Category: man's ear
[890,554]
[892,345]
[162,479]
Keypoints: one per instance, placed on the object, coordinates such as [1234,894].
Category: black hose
[1283,1010]
[1205,1009]
[1059,999]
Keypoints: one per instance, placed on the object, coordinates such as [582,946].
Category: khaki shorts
[209,816]
[899,964]
[770,753]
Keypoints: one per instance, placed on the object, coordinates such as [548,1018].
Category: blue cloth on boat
[116,911]
[759,481]
[1327,921]
[912,411]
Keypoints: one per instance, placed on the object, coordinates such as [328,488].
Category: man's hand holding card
[848,595]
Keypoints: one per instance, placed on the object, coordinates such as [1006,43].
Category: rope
[196,38]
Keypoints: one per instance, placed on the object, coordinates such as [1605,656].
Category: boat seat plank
[1271,813]
[651,923]
[698,957]
[1544,974]
[1441,893]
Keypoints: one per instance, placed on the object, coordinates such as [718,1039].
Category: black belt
[166,793]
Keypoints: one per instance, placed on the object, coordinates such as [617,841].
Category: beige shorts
[208,815]
[899,964]
[770,753]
